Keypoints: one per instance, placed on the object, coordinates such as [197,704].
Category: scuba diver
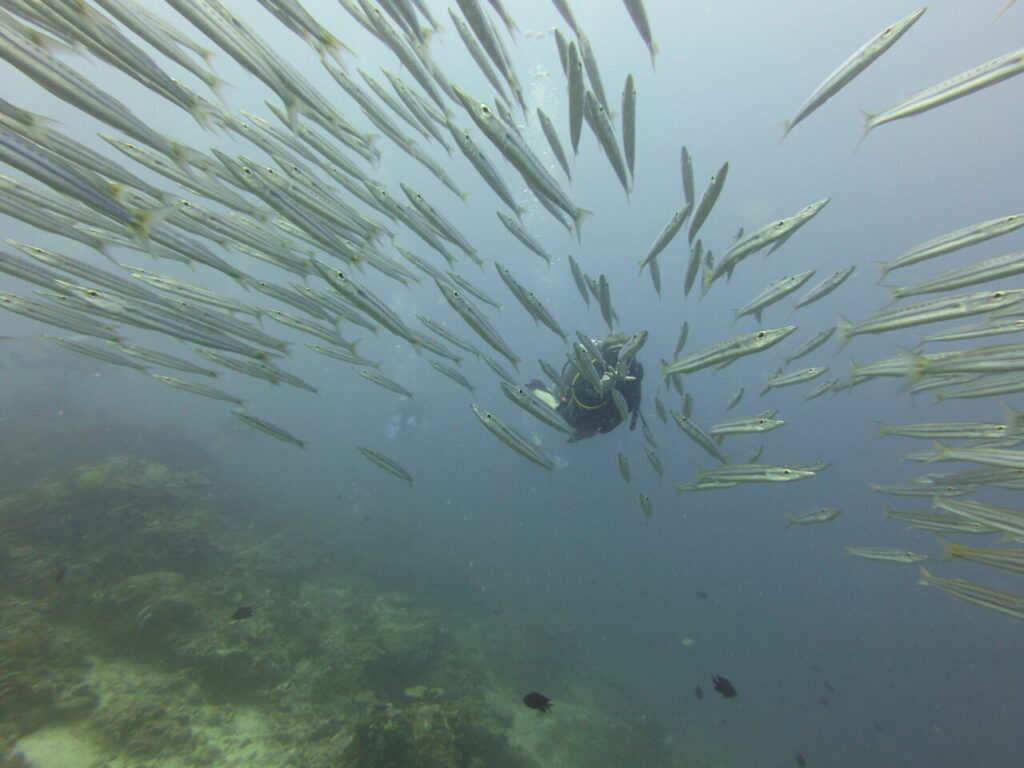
[589,409]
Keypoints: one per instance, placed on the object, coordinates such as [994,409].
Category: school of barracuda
[312,209]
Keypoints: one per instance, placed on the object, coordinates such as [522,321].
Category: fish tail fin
[208,115]
[1014,420]
[925,578]
[184,157]
[335,48]
[145,220]
[786,126]
[884,266]
[883,429]
[203,53]
[917,368]
[940,453]
[869,123]
[843,328]
[706,281]
[294,107]
[950,549]
[653,48]
[216,86]
[581,214]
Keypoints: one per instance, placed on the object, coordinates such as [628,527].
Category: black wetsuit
[590,412]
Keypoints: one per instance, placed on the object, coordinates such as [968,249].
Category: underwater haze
[402,623]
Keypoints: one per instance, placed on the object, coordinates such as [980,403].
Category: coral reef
[120,578]
[431,735]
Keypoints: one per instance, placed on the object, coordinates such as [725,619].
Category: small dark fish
[699,693]
[829,687]
[242,613]
[723,686]
[61,573]
[878,726]
[537,701]
[800,759]
[701,594]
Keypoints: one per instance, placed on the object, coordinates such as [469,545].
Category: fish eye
[760,334]
[485,109]
[997,294]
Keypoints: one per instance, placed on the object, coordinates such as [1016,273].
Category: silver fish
[578,278]
[388,465]
[623,463]
[931,311]
[383,381]
[553,141]
[517,230]
[484,167]
[725,351]
[476,320]
[686,166]
[643,26]
[956,87]
[452,374]
[533,405]
[856,63]
[888,554]
[198,389]
[593,73]
[772,293]
[265,426]
[512,438]
[707,201]
[813,516]
[994,599]
[954,241]
[577,89]
[796,377]
[667,233]
[986,270]
[629,122]
[825,287]
[597,118]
